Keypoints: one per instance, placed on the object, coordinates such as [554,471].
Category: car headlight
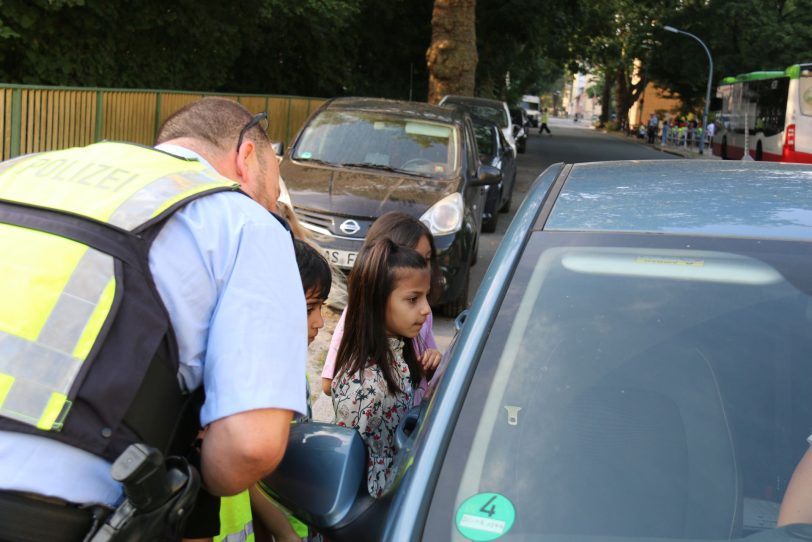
[284,195]
[445,216]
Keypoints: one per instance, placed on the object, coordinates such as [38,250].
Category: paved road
[570,143]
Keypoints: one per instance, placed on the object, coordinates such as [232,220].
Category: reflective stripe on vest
[123,185]
[56,293]
[235,519]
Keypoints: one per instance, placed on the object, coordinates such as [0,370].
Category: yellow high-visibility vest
[75,228]
[236,523]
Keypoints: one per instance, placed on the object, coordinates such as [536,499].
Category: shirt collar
[183,152]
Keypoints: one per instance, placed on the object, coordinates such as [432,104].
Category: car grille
[315,218]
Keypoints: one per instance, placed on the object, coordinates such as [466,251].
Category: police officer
[131,277]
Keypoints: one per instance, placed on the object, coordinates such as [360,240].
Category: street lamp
[710,78]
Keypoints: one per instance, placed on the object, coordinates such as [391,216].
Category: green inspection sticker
[485,516]
[307,155]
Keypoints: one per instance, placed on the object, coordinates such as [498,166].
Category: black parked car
[358,158]
[495,151]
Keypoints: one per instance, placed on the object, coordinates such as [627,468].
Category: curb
[688,155]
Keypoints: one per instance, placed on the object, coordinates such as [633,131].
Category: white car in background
[495,111]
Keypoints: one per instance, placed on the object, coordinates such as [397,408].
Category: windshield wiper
[315,161]
[369,165]
[383,167]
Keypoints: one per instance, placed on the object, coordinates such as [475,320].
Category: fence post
[16,121]
[157,114]
[97,134]
[287,128]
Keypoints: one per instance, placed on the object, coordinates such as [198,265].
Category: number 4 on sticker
[490,511]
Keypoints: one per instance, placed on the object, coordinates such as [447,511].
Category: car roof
[473,100]
[691,197]
[399,107]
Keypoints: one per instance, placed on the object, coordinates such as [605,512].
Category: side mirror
[278,147]
[487,175]
[322,475]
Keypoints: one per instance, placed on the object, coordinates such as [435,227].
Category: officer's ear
[245,154]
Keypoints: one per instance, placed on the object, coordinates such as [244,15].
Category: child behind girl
[406,231]
[376,366]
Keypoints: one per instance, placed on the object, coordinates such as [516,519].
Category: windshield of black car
[380,141]
[635,386]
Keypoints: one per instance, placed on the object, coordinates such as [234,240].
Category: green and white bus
[767,113]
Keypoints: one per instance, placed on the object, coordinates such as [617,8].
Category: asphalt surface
[569,143]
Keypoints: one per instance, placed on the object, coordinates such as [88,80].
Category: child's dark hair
[405,230]
[372,279]
[314,270]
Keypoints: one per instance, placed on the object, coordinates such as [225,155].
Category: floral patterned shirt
[364,402]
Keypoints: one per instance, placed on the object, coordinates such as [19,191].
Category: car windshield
[635,386]
[379,141]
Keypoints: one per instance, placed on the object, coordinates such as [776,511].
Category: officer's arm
[243,448]
[797,504]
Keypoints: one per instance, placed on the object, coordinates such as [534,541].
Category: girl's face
[407,306]
[314,319]
[423,247]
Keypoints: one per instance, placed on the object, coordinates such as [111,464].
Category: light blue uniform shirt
[226,271]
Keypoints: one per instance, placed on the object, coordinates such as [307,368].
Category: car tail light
[789,142]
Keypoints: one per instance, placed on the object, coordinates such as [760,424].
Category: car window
[497,114]
[485,141]
[377,140]
[471,149]
[635,386]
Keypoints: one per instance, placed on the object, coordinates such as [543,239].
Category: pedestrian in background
[664,135]
[545,117]
[653,124]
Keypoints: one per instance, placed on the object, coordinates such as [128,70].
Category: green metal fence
[38,118]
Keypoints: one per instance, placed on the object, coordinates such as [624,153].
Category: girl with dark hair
[376,366]
[406,231]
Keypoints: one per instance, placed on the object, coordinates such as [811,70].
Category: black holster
[159,497]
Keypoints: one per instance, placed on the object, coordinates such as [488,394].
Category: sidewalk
[676,150]
[685,152]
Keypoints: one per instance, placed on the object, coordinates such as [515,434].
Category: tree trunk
[452,57]
[606,99]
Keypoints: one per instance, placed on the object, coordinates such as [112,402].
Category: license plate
[341,258]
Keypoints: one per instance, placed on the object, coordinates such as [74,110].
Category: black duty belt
[28,518]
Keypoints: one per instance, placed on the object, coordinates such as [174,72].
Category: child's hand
[430,360]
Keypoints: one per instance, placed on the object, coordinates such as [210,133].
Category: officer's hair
[214,121]
[314,270]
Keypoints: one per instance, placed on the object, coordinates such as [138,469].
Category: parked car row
[452,166]
[635,366]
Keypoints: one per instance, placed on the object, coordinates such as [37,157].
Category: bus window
[806,94]
[771,105]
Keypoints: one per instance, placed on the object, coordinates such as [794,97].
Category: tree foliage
[742,36]
[378,47]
